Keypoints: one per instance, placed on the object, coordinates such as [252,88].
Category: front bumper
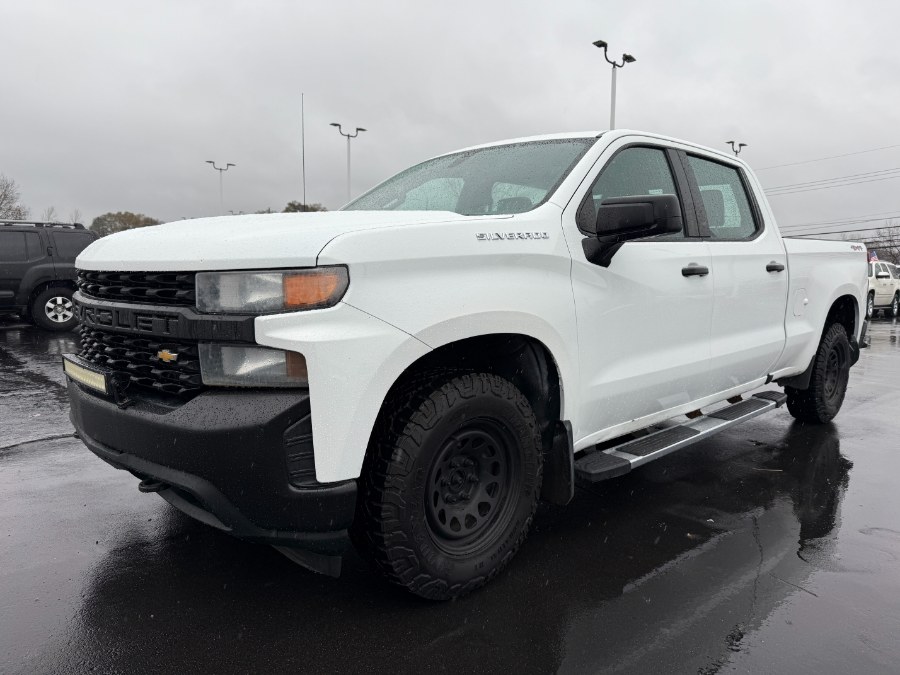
[239,460]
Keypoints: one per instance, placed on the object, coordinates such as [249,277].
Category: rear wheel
[894,311]
[831,371]
[52,309]
[449,492]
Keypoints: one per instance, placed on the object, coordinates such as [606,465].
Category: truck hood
[240,242]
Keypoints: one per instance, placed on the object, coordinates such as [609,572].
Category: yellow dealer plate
[82,374]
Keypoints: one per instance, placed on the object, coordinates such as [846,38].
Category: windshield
[500,179]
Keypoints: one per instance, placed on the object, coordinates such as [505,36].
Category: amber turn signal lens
[318,288]
[296,366]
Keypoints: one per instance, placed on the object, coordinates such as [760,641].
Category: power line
[825,187]
[849,222]
[849,219]
[865,174]
[822,159]
[815,234]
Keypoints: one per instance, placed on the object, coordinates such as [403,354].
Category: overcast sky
[111,106]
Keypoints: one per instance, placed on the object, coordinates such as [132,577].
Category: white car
[473,335]
[883,289]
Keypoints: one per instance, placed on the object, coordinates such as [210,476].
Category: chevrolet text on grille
[491,236]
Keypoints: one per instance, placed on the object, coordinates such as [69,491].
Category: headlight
[224,365]
[275,291]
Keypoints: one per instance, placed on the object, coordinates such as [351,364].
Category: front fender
[353,359]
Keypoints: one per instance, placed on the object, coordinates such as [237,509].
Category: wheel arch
[531,366]
[43,286]
[844,311]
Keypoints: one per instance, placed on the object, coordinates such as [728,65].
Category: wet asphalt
[772,547]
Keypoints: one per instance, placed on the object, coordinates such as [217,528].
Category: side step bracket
[599,465]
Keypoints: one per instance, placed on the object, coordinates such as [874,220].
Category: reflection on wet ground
[773,547]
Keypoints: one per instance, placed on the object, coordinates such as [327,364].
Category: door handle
[694,270]
[774,267]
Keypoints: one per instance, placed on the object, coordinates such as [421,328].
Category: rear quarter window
[69,245]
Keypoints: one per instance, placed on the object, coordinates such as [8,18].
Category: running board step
[616,461]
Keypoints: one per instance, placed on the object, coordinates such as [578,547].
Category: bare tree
[9,200]
[49,214]
[75,216]
[887,242]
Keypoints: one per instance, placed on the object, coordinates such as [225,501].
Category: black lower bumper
[223,458]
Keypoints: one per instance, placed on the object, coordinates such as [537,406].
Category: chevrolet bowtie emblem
[166,356]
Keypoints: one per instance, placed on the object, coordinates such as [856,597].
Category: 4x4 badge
[166,356]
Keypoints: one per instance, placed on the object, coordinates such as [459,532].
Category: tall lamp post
[221,193]
[348,137]
[626,58]
[736,150]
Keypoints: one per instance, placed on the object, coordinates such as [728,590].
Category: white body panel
[748,332]
[634,343]
[260,241]
[819,275]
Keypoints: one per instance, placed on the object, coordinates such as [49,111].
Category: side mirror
[882,275]
[623,218]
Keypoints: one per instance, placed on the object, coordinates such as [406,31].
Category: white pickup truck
[484,330]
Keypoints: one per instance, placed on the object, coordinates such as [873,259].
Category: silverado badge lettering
[491,236]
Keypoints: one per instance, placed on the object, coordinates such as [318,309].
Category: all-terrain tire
[450,484]
[52,309]
[894,310]
[831,370]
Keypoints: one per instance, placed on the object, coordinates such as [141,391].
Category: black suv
[37,270]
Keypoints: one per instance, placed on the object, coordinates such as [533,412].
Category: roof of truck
[597,134]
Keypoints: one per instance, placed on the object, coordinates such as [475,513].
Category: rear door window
[725,200]
[34,246]
[12,247]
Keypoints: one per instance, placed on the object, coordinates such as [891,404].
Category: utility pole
[626,58]
[736,150]
[221,189]
[303,149]
[348,137]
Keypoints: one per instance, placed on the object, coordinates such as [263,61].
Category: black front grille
[154,288]
[137,363]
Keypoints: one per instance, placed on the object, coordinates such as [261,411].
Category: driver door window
[634,171]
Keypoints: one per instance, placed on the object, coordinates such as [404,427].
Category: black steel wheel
[831,372]
[471,484]
[450,484]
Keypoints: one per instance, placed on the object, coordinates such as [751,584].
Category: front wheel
[870,306]
[52,309]
[831,371]
[451,485]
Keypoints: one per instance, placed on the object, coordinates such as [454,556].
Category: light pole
[221,193]
[348,137]
[626,58]
[736,150]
